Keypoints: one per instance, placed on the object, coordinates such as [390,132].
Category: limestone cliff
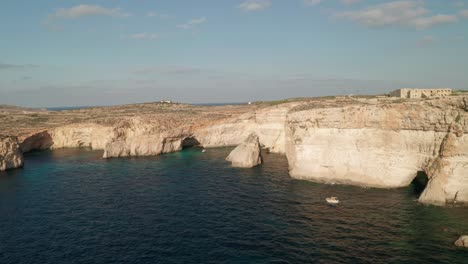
[380,143]
[247,154]
[268,123]
[137,137]
[383,146]
[89,135]
[10,153]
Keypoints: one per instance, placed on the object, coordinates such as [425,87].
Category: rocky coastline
[369,142]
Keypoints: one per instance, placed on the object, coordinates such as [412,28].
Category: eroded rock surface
[247,154]
[10,153]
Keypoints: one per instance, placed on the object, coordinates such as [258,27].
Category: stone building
[421,93]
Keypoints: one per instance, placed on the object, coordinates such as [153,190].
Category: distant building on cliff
[421,93]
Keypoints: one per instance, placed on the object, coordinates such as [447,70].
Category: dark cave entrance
[419,183]
[190,142]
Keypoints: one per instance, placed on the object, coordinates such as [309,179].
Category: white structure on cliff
[421,93]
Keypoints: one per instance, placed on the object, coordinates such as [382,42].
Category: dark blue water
[71,206]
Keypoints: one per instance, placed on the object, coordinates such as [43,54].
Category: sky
[104,52]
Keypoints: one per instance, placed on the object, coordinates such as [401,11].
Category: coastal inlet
[72,206]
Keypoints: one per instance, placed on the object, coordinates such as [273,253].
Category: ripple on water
[192,207]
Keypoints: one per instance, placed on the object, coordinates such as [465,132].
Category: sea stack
[247,154]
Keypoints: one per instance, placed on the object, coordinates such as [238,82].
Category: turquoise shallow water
[71,206]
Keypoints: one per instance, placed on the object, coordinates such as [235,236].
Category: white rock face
[268,124]
[82,135]
[230,132]
[146,146]
[136,138]
[247,154]
[462,242]
[365,157]
[10,153]
[383,146]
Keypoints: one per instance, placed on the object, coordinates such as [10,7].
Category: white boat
[203,151]
[332,200]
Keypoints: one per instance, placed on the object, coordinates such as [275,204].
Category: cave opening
[419,183]
[190,142]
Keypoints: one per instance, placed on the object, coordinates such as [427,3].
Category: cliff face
[383,146]
[81,135]
[135,137]
[364,143]
[10,153]
[361,142]
[129,137]
[268,123]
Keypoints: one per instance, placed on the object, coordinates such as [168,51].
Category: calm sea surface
[71,206]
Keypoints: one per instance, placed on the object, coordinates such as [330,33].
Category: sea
[72,206]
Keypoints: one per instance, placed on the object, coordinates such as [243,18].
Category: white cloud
[81,11]
[192,23]
[151,14]
[7,66]
[397,13]
[144,35]
[87,10]
[255,5]
[312,2]
[427,41]
[427,22]
[171,70]
[350,2]
[158,15]
[316,2]
[459,4]
[464,13]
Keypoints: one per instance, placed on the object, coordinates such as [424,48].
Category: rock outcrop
[135,137]
[247,154]
[10,153]
[462,242]
[88,135]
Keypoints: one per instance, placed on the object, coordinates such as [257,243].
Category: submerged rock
[247,154]
[10,153]
[462,242]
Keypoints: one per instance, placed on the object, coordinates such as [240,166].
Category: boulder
[247,154]
[462,242]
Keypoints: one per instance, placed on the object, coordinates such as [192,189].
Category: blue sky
[100,52]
